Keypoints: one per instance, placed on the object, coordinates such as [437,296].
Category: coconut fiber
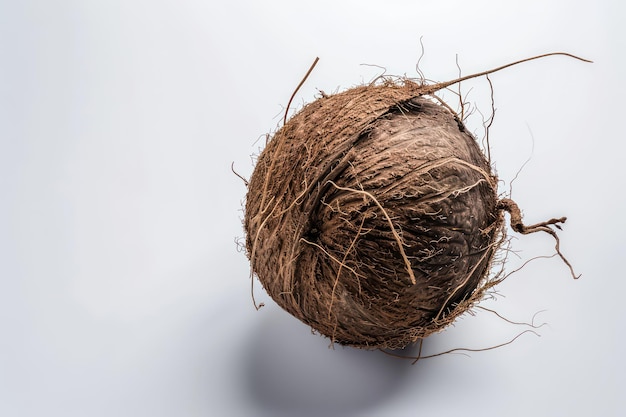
[372,215]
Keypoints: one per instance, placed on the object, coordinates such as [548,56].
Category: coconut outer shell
[371,216]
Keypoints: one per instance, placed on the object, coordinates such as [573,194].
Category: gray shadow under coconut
[290,371]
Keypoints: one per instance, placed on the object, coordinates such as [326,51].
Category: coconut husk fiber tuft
[372,215]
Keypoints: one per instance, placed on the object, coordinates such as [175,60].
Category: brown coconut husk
[373,216]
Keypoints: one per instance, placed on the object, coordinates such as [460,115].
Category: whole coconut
[372,215]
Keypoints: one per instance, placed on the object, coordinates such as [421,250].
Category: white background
[122,292]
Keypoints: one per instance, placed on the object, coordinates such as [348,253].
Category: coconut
[373,216]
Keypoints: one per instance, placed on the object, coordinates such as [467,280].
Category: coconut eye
[313,234]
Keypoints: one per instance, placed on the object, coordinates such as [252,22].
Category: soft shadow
[290,371]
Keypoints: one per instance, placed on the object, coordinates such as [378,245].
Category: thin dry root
[419,356]
[513,209]
[232,168]
[430,89]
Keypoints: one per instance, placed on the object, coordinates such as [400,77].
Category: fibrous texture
[372,216]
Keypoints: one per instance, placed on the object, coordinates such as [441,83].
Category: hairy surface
[372,216]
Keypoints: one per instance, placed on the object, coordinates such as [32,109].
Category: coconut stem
[514,211]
